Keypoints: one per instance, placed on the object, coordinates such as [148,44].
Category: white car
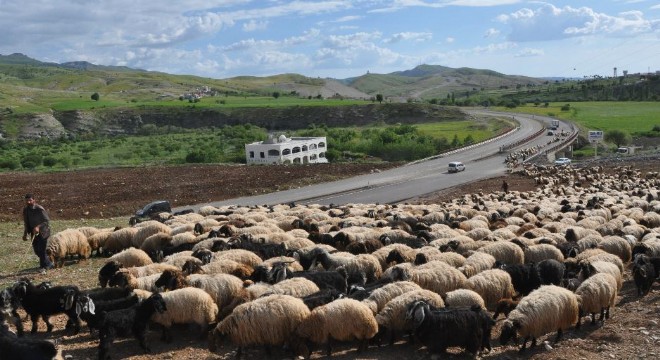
[455,166]
[563,161]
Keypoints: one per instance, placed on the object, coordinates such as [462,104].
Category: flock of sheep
[300,277]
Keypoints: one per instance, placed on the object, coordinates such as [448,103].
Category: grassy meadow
[633,117]
[18,260]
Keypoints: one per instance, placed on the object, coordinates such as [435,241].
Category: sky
[339,38]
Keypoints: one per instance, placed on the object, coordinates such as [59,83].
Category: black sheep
[9,304]
[107,271]
[524,277]
[123,321]
[438,329]
[331,279]
[321,298]
[27,349]
[46,302]
[551,271]
[643,274]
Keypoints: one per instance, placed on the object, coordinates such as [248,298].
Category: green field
[633,117]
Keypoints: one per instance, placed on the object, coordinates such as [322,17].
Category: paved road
[419,178]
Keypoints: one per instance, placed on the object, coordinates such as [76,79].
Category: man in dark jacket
[35,220]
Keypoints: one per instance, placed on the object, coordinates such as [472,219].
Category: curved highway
[414,179]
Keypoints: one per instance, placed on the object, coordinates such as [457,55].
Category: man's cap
[28,196]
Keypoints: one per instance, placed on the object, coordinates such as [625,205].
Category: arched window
[312,146]
[304,148]
[286,151]
[273,152]
[321,144]
[322,155]
[295,150]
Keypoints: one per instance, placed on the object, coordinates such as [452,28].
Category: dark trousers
[39,247]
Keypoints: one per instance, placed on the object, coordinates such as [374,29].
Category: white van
[455,166]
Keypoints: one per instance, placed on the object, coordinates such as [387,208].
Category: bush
[50,161]
[9,164]
[566,107]
[201,156]
[31,161]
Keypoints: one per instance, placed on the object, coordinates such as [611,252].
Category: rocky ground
[633,332]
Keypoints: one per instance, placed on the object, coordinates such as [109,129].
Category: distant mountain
[435,81]
[422,82]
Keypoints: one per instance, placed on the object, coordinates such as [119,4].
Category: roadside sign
[595,135]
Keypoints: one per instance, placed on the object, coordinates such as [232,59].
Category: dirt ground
[633,332]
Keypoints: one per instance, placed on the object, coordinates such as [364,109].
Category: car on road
[563,161]
[150,210]
[455,166]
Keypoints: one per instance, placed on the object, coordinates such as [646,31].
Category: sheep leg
[49,326]
[167,335]
[593,318]
[35,321]
[533,342]
[559,334]
[142,340]
[328,347]
[524,344]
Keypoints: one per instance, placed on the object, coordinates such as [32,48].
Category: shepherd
[35,220]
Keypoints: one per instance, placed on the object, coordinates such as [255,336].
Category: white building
[283,150]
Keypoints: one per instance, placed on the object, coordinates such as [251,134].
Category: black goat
[107,271]
[133,319]
[321,298]
[332,279]
[9,304]
[27,349]
[524,277]
[644,274]
[551,271]
[438,329]
[46,302]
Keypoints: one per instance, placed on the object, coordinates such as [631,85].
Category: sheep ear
[91,308]
[79,308]
[296,256]
[68,301]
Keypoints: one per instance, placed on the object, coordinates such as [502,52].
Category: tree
[618,137]
[276,94]
[379,98]
[96,96]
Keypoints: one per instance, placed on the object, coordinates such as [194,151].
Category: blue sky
[337,38]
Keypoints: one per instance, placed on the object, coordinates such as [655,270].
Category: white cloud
[402,4]
[254,25]
[450,40]
[552,23]
[527,52]
[409,36]
[491,33]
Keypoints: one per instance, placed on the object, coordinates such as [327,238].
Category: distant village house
[283,150]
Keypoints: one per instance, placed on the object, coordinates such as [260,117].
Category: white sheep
[540,252]
[67,242]
[464,297]
[618,246]
[239,255]
[392,318]
[186,306]
[146,229]
[492,285]
[597,294]
[342,320]
[436,276]
[592,267]
[476,263]
[381,296]
[131,257]
[119,240]
[544,310]
[270,320]
[297,287]
[505,252]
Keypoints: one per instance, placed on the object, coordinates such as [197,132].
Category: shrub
[31,160]
[49,161]
[9,164]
